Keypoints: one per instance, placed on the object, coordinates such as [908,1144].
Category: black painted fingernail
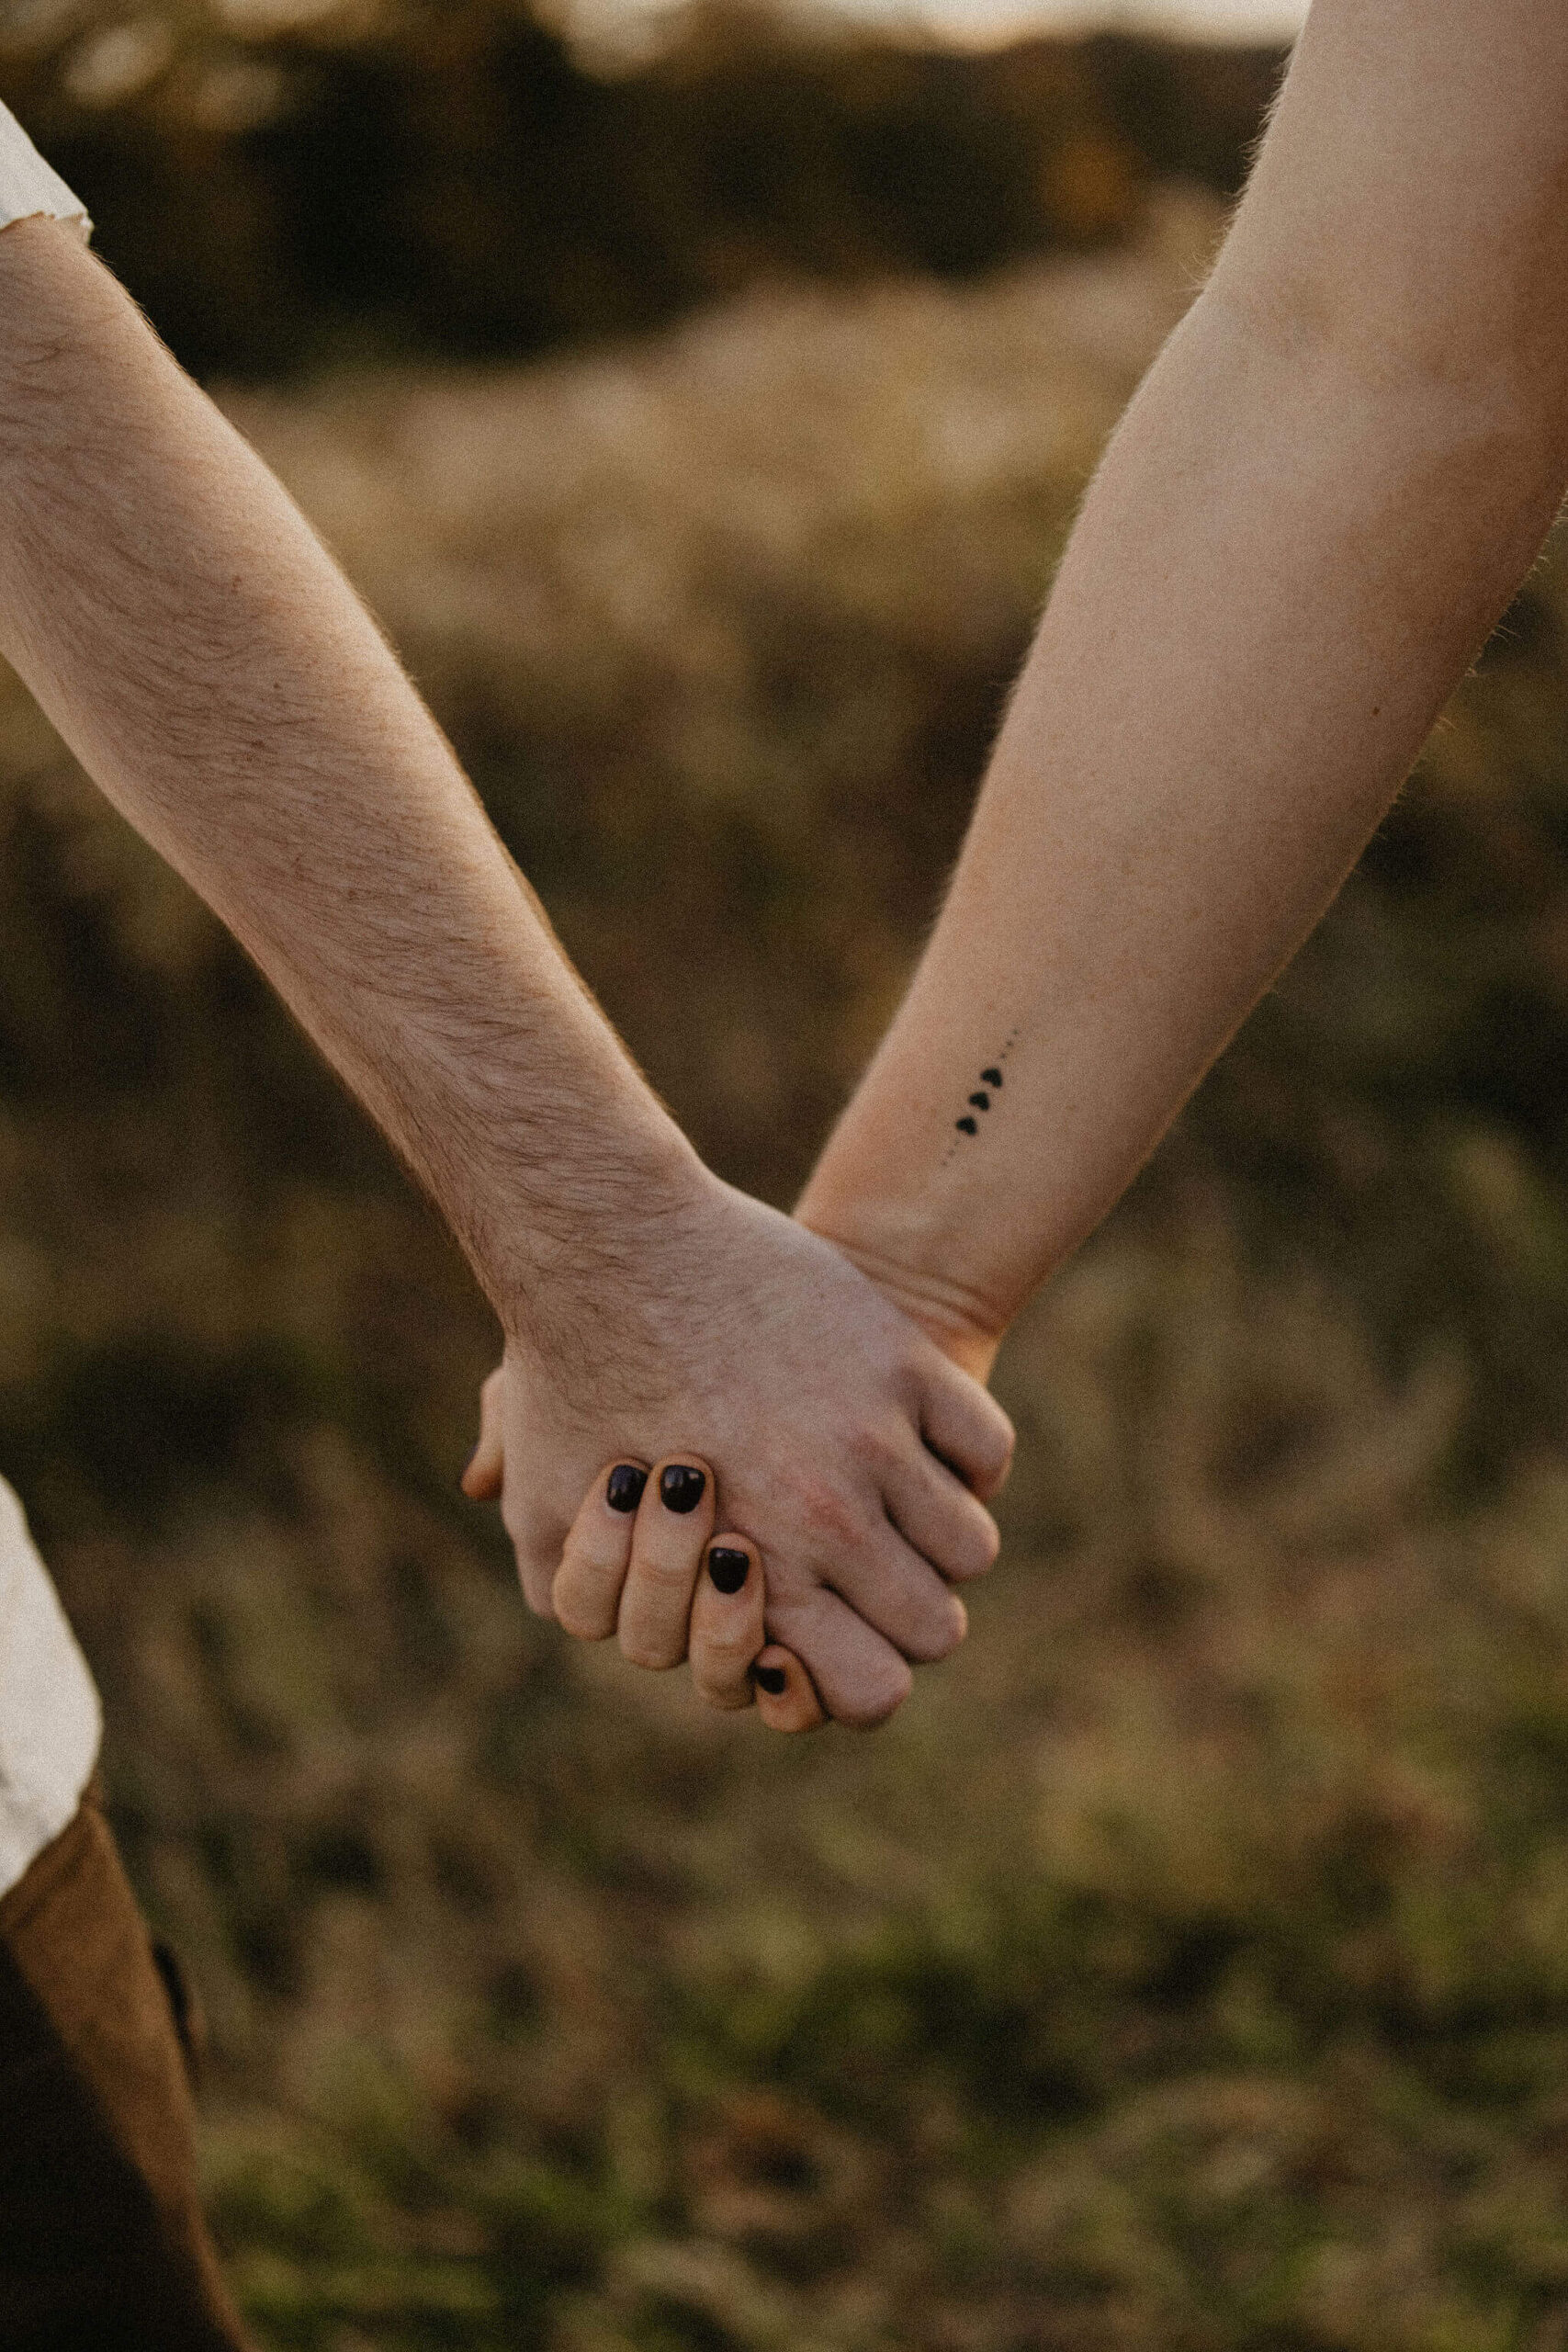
[681,1487]
[771,1678]
[729,1568]
[623,1489]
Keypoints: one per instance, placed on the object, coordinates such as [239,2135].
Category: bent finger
[965,1426]
[787,1696]
[860,1677]
[481,1480]
[727,1627]
[936,1513]
[597,1553]
[899,1595]
[673,1525]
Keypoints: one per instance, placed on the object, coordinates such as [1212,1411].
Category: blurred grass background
[1188,1966]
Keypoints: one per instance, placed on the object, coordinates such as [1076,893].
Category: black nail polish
[681,1487]
[623,1489]
[771,1678]
[729,1568]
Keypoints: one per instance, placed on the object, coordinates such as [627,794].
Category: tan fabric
[103,2248]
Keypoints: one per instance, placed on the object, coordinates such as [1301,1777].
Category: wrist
[966,1325]
[572,1245]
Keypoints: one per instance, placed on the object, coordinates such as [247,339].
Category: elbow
[1487,378]
[1484,418]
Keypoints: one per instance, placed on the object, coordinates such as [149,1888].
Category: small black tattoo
[981,1100]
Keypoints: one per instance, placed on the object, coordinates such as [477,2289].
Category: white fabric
[27,187]
[50,1721]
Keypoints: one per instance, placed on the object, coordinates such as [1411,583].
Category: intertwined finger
[937,1513]
[727,1628]
[786,1697]
[673,1525]
[966,1427]
[597,1553]
[860,1677]
[899,1595]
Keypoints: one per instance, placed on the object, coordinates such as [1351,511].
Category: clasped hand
[746,1394]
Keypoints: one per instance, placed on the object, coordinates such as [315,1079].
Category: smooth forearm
[214,673]
[1306,526]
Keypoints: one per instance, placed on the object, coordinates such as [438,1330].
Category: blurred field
[1188,1965]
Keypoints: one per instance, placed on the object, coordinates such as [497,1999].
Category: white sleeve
[50,1724]
[27,187]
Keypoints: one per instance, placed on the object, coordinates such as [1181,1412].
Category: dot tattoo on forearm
[984,1096]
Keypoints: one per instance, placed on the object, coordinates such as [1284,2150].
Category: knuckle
[727,1649]
[1001,1446]
[938,1639]
[870,1710]
[665,1576]
[872,1447]
[720,1690]
[974,1553]
[829,1519]
[582,1616]
[648,1654]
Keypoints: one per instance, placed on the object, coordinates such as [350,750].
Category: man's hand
[813,1417]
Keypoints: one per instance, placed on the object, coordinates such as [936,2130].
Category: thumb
[481,1479]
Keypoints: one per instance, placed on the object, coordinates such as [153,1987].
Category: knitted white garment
[50,1723]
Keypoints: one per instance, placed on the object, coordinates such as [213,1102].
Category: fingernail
[771,1678]
[623,1489]
[681,1487]
[729,1568]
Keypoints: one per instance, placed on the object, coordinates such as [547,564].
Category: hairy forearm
[1310,519]
[210,667]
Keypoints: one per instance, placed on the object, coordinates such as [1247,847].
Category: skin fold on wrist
[968,1328]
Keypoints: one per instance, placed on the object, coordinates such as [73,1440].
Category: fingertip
[787,1696]
[683,1486]
[621,1486]
[484,1472]
[731,1561]
[871,1712]
[480,1480]
[967,1430]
